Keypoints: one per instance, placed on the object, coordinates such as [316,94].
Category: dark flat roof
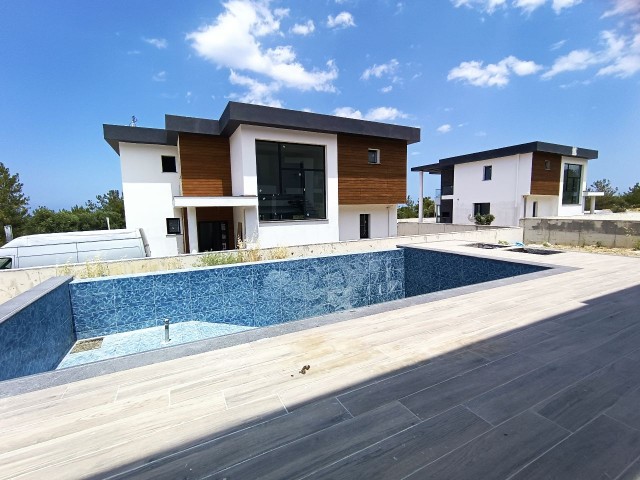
[236,114]
[565,150]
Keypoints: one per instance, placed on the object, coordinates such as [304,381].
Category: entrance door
[212,236]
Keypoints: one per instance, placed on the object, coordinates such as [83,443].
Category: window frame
[547,165]
[485,169]
[175,163]
[171,220]
[283,170]
[377,152]
[575,194]
[365,230]
[478,208]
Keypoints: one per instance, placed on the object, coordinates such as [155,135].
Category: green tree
[410,208]
[610,197]
[13,203]
[109,205]
[632,197]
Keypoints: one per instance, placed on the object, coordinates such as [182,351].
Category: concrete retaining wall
[573,231]
[14,282]
[430,228]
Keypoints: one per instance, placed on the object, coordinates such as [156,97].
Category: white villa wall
[567,210]
[510,181]
[148,195]
[383,221]
[547,205]
[244,182]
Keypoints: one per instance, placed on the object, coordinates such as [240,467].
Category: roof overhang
[236,114]
[244,201]
[115,134]
[531,147]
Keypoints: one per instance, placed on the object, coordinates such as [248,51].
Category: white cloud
[619,57]
[526,6]
[232,41]
[159,43]
[379,114]
[342,20]
[399,8]
[559,5]
[558,45]
[386,89]
[160,76]
[382,114]
[623,7]
[446,128]
[348,112]
[257,92]
[303,28]
[488,6]
[379,70]
[492,75]
[134,52]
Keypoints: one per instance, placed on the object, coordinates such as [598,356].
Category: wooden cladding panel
[360,183]
[206,165]
[545,182]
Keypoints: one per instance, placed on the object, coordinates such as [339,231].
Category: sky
[471,74]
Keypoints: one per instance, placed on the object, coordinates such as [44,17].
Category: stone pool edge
[54,378]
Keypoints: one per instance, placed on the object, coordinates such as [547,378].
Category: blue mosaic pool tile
[99,332]
[131,326]
[136,313]
[211,312]
[129,297]
[93,295]
[171,285]
[205,282]
[94,320]
[176,310]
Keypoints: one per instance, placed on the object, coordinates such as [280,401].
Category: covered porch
[216,223]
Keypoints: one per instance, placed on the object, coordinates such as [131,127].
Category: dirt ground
[627,252]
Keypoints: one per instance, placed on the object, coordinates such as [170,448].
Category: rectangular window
[5,263]
[486,175]
[481,208]
[534,210]
[364,225]
[173,226]
[572,181]
[547,164]
[291,181]
[168,164]
[374,156]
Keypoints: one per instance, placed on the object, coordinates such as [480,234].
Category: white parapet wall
[15,282]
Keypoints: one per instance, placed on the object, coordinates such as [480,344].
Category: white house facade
[262,176]
[535,179]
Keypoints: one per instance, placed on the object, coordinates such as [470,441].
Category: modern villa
[533,179]
[267,176]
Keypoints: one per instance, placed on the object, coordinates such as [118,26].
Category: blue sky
[472,74]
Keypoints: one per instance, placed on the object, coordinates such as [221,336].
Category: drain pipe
[166,330]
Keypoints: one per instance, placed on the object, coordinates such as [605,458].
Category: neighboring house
[267,176]
[530,180]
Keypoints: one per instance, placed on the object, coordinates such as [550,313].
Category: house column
[420,206]
[592,205]
[192,221]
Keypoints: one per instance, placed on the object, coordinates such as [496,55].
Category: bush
[484,219]
[216,258]
[637,245]
[618,209]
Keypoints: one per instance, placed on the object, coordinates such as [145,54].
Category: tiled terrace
[538,379]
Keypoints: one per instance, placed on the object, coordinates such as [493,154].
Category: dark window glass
[572,180]
[291,181]
[168,164]
[547,164]
[481,208]
[5,263]
[487,172]
[374,156]
[173,226]
[364,225]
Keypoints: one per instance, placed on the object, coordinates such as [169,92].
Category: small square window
[168,164]
[487,172]
[173,226]
[547,165]
[481,208]
[374,156]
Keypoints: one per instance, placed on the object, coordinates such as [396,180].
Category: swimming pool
[243,295]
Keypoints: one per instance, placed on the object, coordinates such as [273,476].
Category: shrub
[216,258]
[637,245]
[484,219]
[618,209]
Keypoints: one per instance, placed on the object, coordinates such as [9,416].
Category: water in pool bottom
[146,339]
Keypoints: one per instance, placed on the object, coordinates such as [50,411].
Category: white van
[73,247]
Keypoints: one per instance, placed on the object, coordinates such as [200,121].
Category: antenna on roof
[134,121]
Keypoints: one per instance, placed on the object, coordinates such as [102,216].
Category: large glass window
[572,181]
[291,181]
